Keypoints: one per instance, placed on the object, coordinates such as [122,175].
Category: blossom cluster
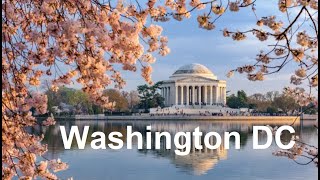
[63,43]
[301,96]
[89,42]
[289,42]
[300,149]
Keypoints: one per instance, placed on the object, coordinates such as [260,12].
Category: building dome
[193,69]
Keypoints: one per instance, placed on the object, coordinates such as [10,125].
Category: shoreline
[197,118]
[179,118]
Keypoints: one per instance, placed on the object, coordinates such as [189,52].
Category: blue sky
[190,44]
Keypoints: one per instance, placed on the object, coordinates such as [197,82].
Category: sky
[190,44]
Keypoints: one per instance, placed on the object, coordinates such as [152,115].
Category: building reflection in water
[197,161]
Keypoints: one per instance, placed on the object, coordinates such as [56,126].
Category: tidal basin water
[232,164]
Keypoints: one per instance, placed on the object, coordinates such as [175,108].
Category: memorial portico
[191,85]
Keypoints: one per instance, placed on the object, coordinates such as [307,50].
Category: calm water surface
[246,163]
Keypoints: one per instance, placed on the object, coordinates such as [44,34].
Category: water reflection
[198,162]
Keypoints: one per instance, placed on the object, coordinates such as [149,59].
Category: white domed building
[193,85]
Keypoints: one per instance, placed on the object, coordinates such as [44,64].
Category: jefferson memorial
[193,86]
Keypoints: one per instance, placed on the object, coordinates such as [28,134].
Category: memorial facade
[193,85]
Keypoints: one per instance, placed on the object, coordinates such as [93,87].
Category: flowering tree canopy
[81,41]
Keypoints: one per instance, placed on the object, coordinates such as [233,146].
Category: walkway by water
[180,117]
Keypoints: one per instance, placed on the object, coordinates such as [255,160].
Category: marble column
[205,95]
[168,95]
[193,94]
[221,95]
[165,96]
[161,91]
[210,89]
[181,99]
[199,97]
[167,100]
[217,94]
[176,103]
[187,96]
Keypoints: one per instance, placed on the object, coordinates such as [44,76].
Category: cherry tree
[83,41]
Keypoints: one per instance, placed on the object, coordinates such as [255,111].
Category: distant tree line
[73,101]
[270,102]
